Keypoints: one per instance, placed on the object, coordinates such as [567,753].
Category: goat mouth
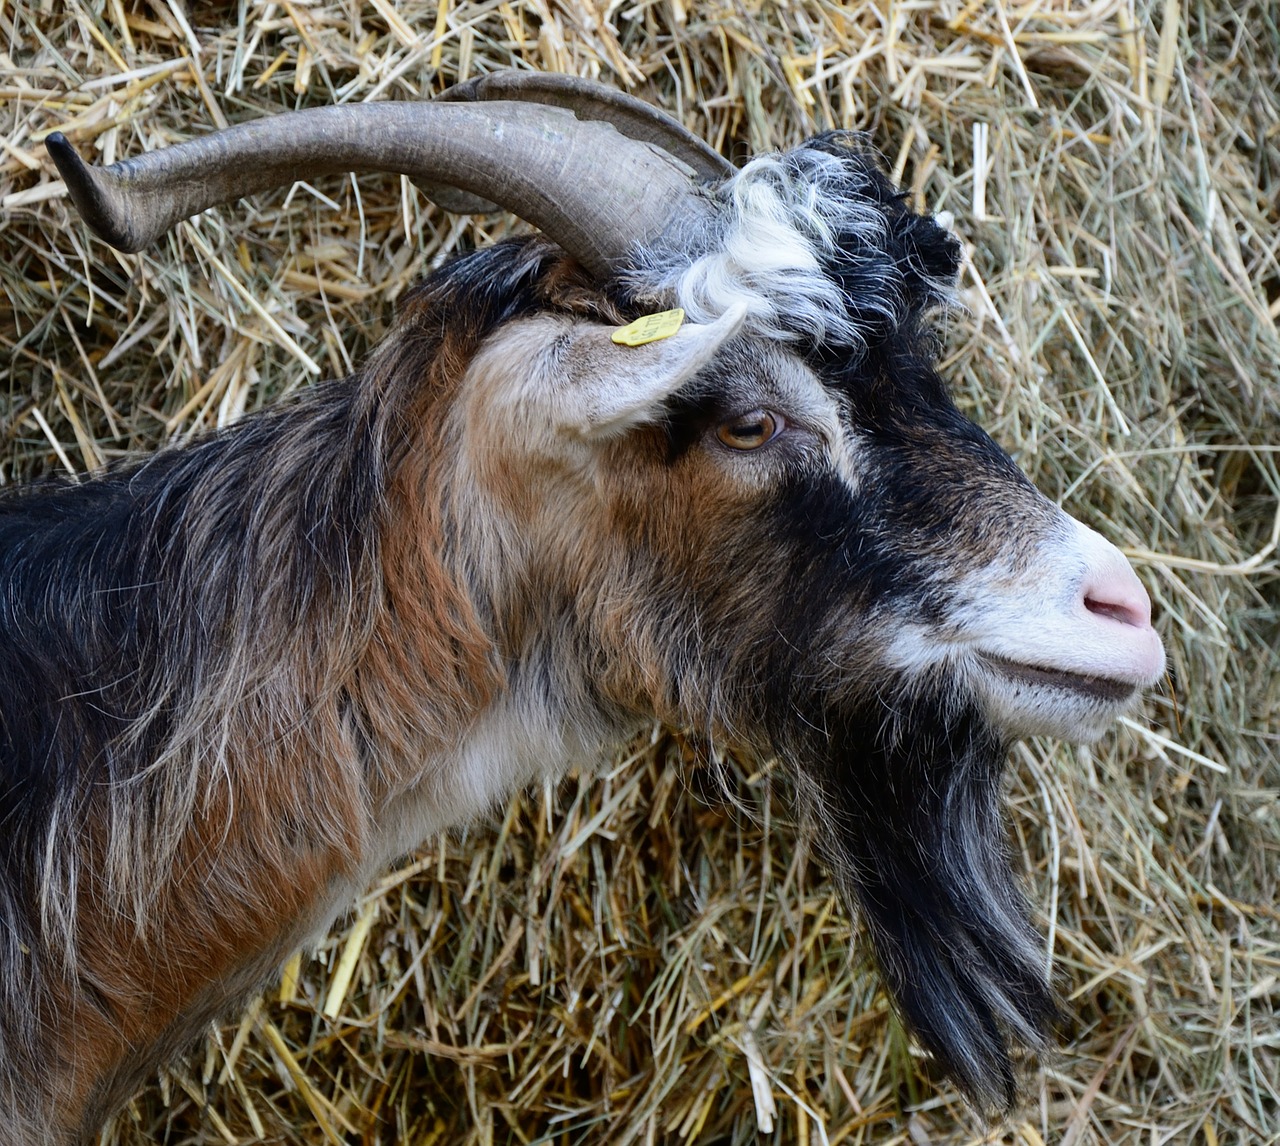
[1100,688]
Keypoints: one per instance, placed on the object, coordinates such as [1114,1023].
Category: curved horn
[589,188]
[588,100]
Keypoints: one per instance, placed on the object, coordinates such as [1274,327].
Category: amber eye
[750,431]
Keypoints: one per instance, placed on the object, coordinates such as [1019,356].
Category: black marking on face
[839,547]
[690,416]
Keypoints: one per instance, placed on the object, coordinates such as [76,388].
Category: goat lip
[1100,688]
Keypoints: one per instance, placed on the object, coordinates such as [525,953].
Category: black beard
[908,804]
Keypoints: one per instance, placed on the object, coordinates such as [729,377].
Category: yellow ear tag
[649,328]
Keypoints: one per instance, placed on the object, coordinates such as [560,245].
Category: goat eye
[750,431]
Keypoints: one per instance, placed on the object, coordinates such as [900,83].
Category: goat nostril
[1133,611]
[1107,609]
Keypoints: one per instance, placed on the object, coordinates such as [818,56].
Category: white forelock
[769,250]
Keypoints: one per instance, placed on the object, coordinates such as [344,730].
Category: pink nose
[1119,595]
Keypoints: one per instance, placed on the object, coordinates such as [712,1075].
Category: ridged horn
[583,183]
[589,100]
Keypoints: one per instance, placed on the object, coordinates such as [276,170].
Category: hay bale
[632,957]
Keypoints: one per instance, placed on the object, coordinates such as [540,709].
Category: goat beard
[909,811]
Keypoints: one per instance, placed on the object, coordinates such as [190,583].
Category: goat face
[813,555]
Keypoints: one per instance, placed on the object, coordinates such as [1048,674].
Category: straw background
[650,955]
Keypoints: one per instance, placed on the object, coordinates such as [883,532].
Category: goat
[239,678]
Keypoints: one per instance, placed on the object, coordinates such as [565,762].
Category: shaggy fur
[220,664]
[815,243]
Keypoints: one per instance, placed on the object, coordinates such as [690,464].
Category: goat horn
[589,100]
[589,188]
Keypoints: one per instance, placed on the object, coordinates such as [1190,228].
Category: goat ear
[603,389]
[933,257]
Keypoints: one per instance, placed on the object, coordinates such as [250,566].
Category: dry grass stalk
[631,958]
